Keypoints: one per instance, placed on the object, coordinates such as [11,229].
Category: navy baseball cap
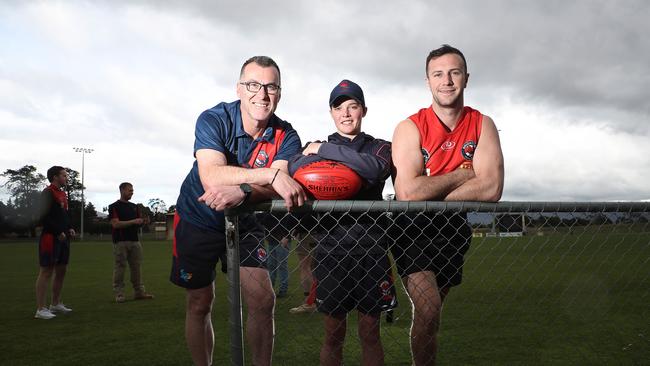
[347,88]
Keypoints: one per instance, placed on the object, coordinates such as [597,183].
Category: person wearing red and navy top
[126,220]
[445,152]
[54,244]
[241,150]
[351,266]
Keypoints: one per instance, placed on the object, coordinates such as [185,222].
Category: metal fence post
[236,323]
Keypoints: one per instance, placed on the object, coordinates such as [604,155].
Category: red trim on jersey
[177,219]
[59,196]
[265,151]
[444,151]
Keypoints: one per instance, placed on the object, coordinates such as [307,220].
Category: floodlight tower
[83,151]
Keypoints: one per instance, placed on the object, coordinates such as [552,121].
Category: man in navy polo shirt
[241,150]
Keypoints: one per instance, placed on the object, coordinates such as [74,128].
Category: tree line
[19,215]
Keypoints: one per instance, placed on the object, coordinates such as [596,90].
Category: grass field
[562,299]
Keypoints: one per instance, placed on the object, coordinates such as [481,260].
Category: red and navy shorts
[348,282]
[52,251]
[196,252]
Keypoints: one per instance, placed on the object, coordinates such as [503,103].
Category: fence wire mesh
[542,282]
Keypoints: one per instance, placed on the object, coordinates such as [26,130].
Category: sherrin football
[328,180]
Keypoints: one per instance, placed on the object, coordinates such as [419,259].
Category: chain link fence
[542,282]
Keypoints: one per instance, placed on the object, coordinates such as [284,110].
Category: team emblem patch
[386,293]
[261,254]
[468,150]
[186,276]
[261,159]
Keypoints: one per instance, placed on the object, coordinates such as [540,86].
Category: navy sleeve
[373,166]
[299,160]
[209,133]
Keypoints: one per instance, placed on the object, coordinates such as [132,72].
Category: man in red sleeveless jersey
[445,152]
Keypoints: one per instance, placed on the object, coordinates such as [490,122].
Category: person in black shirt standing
[126,220]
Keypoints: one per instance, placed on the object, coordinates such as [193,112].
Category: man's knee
[369,336]
[46,272]
[257,290]
[60,270]
[261,301]
[335,337]
[424,293]
[199,302]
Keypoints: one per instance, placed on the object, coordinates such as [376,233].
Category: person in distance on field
[241,150]
[126,220]
[351,265]
[444,152]
[304,248]
[54,244]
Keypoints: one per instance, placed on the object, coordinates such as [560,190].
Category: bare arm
[215,171]
[221,182]
[410,184]
[487,185]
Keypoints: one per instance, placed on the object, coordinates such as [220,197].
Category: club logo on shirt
[448,145]
[261,159]
[385,287]
[261,254]
[468,150]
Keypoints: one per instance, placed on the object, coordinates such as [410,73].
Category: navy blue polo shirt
[220,128]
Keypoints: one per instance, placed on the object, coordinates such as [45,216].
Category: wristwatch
[247,189]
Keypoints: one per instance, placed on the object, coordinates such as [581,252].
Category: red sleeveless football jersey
[445,151]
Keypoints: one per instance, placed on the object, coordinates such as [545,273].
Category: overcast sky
[567,83]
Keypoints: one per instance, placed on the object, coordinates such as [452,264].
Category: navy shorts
[347,282]
[52,251]
[197,251]
[432,243]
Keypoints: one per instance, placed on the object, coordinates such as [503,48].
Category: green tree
[74,186]
[90,212]
[159,208]
[146,214]
[22,183]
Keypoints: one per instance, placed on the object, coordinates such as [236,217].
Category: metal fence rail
[542,281]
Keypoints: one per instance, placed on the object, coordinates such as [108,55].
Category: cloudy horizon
[566,83]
